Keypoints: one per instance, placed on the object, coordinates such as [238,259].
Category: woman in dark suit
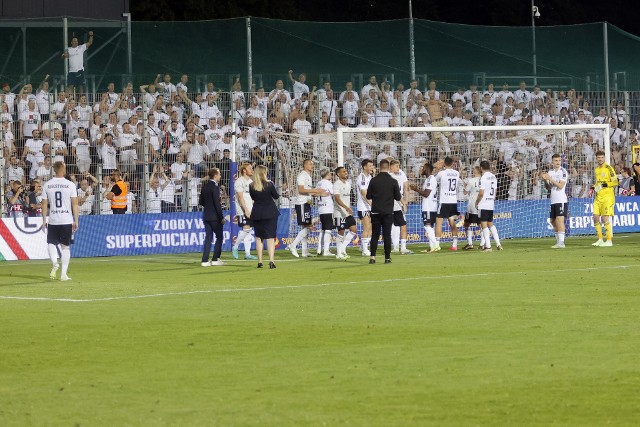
[264,214]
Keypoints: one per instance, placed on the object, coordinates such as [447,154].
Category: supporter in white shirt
[372,85]
[349,89]
[299,86]
[168,89]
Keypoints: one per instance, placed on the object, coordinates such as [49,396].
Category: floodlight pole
[412,51]
[605,37]
[129,55]
[534,10]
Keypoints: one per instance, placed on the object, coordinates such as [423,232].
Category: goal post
[518,155]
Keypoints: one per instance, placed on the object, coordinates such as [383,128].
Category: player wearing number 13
[606,181]
[60,201]
[447,180]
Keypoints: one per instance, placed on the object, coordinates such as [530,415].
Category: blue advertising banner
[112,235]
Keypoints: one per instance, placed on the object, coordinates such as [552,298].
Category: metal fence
[165,136]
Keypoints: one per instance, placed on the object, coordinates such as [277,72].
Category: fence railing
[164,138]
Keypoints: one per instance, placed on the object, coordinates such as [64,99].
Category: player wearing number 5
[606,181]
[485,204]
[447,180]
[60,201]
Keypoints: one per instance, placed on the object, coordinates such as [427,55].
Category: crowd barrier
[22,238]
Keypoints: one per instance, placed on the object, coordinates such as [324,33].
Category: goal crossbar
[341,131]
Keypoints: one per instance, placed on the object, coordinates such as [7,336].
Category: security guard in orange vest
[118,194]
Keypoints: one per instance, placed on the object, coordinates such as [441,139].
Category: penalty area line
[316,285]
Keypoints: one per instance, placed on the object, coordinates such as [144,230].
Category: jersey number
[452,184]
[58,199]
[492,190]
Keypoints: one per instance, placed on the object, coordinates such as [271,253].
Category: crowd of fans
[165,136]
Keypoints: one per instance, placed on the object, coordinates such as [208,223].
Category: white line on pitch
[318,285]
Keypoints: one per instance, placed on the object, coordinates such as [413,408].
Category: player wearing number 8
[60,201]
[606,181]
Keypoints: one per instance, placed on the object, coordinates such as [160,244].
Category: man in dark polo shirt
[382,191]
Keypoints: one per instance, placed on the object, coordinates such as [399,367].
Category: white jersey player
[364,205]
[244,205]
[485,204]
[342,212]
[556,179]
[447,179]
[429,193]
[60,201]
[325,211]
[399,230]
[304,183]
[471,216]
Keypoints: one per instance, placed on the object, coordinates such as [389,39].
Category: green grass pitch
[527,336]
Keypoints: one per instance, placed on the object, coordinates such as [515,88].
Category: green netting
[452,54]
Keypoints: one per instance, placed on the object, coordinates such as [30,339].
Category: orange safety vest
[119,202]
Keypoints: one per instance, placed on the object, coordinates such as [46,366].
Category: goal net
[518,154]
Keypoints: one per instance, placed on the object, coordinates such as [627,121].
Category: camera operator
[16,205]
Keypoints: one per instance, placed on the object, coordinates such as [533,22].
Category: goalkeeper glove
[597,187]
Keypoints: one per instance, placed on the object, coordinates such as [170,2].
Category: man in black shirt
[382,191]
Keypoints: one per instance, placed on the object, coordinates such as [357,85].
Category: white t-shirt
[59,192]
[325,203]
[242,186]
[489,185]
[109,160]
[58,145]
[306,181]
[82,148]
[176,174]
[342,189]
[447,180]
[430,203]
[559,195]
[401,177]
[473,188]
[76,59]
[299,89]
[363,184]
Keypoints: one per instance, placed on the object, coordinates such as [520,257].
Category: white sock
[241,236]
[455,242]
[247,243]
[487,237]
[53,253]
[305,241]
[431,235]
[494,233]
[302,234]
[469,237]
[403,244]
[339,240]
[395,237]
[65,252]
[365,243]
[348,236]
[326,241]
[557,241]
[561,238]
[481,238]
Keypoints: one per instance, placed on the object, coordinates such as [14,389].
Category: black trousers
[211,228]
[384,222]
